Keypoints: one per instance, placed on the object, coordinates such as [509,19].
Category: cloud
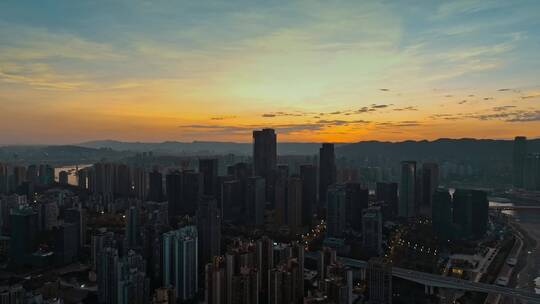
[530,96]
[410,108]
[504,90]
[502,108]
[462,102]
[384,90]
[222,117]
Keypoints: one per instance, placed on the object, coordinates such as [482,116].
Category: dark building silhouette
[174,192]
[327,171]
[407,190]
[265,158]
[280,195]
[308,174]
[430,182]
[231,201]
[24,229]
[356,200]
[470,212]
[372,230]
[155,190]
[379,273]
[294,204]
[336,214]
[208,167]
[255,200]
[519,156]
[441,215]
[63,178]
[388,193]
[209,229]
[122,180]
[192,187]
[531,172]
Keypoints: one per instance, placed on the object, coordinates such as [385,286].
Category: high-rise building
[102,239]
[242,274]
[63,177]
[107,275]
[430,182]
[180,262]
[520,153]
[77,217]
[192,187]
[357,199]
[441,214]
[255,200]
[155,190]
[280,195]
[174,191]
[208,167]
[265,158]
[336,211]
[19,176]
[4,179]
[407,190]
[379,274]
[132,228]
[294,204]
[209,229]
[308,174]
[471,209]
[372,230]
[140,183]
[122,180]
[31,174]
[286,279]
[231,201]
[82,178]
[327,171]
[388,193]
[24,229]
[215,291]
[531,172]
[66,245]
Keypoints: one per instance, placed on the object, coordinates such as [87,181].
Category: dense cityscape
[263,228]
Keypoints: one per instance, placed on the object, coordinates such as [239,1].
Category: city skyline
[314,71]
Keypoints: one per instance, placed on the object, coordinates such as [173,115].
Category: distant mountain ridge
[443,148]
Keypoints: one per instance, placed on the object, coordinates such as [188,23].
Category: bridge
[435,280]
[509,207]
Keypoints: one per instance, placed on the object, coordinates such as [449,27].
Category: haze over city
[341,71]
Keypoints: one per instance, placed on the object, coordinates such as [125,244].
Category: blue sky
[164,70]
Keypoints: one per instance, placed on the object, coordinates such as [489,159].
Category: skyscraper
[357,199]
[379,274]
[327,171]
[407,190]
[155,191]
[208,167]
[372,230]
[471,209]
[209,229]
[180,261]
[132,227]
[174,191]
[336,211]
[24,225]
[531,172]
[255,200]
[280,195]
[388,193]
[265,158]
[442,214]
[430,182]
[140,183]
[294,204]
[520,153]
[192,187]
[231,201]
[308,174]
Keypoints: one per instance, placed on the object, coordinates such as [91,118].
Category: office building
[388,193]
[327,171]
[209,229]
[430,182]
[308,174]
[379,273]
[470,213]
[441,214]
[174,191]
[231,201]
[208,167]
[265,158]
[294,204]
[336,211]
[255,200]
[407,190]
[24,232]
[180,262]
[372,230]
[356,200]
[519,156]
[155,191]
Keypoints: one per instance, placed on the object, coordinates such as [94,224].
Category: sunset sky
[343,71]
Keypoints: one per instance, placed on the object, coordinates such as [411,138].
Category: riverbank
[530,270]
